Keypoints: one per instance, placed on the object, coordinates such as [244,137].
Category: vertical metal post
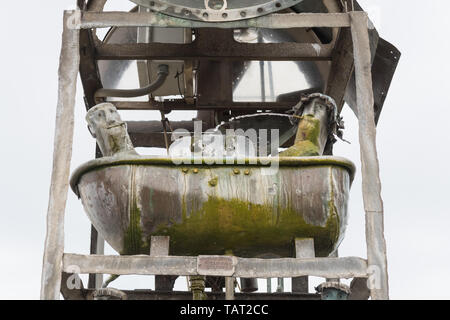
[304,249]
[62,154]
[335,254]
[280,285]
[95,281]
[371,183]
[97,247]
[229,288]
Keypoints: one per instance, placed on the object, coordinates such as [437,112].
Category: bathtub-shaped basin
[252,209]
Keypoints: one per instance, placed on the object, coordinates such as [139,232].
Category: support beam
[229,288]
[159,246]
[289,51]
[89,73]
[153,19]
[371,183]
[97,247]
[86,294]
[341,68]
[343,268]
[62,154]
[304,249]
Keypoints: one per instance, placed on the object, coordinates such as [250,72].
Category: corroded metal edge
[208,14]
[164,161]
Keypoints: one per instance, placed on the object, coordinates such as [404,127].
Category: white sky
[413,142]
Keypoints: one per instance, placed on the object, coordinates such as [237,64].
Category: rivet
[243,14]
[247,172]
[195,170]
[225,15]
[185,170]
[236,171]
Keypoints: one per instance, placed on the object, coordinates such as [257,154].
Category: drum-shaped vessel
[252,208]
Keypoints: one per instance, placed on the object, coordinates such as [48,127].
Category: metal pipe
[163,72]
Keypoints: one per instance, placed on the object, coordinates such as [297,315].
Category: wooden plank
[152,19]
[343,268]
[371,183]
[62,154]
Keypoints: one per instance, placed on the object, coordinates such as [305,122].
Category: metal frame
[56,261]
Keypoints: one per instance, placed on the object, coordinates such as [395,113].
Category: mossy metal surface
[307,139]
[247,230]
[217,209]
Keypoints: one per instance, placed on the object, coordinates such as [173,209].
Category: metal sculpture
[337,43]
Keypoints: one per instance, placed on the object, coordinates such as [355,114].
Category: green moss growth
[301,149]
[307,139]
[134,241]
[247,230]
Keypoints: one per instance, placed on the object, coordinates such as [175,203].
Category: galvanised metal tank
[252,209]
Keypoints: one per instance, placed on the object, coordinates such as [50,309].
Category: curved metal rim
[249,162]
[212,15]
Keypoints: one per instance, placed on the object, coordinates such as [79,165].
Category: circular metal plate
[217,10]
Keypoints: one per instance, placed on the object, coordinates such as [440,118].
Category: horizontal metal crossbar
[221,51]
[87,20]
[220,266]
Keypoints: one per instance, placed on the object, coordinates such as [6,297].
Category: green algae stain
[307,139]
[134,240]
[246,229]
[302,149]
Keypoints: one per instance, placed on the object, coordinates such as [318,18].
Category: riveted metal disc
[217,10]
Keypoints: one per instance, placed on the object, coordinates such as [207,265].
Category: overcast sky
[413,141]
